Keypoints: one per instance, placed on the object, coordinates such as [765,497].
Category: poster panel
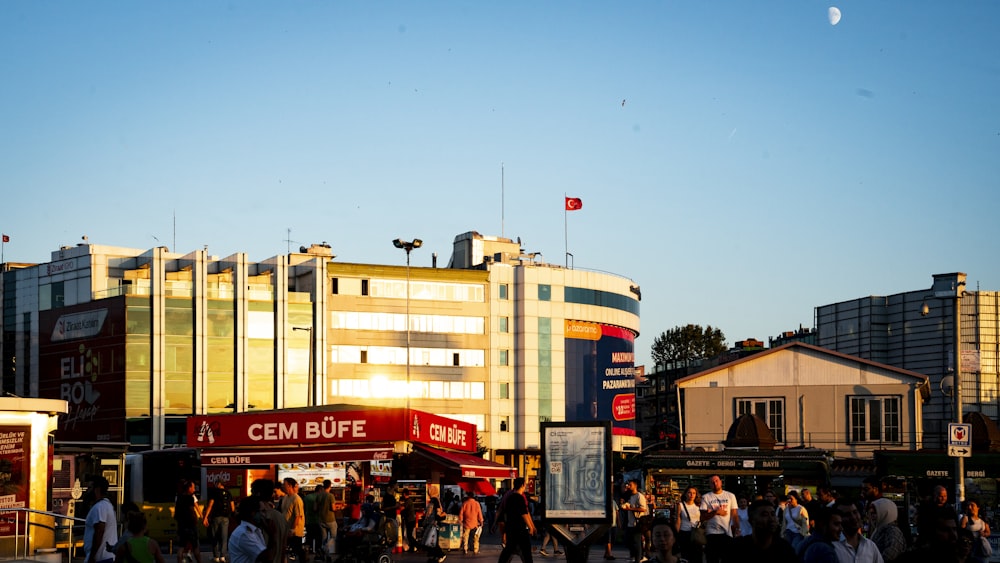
[576,471]
[15,457]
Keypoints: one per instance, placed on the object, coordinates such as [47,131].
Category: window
[544,292]
[505,424]
[456,359]
[503,324]
[503,291]
[364,356]
[364,287]
[505,390]
[503,358]
[770,410]
[875,419]
[334,286]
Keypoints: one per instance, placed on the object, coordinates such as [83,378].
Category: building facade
[138,340]
[915,330]
[809,397]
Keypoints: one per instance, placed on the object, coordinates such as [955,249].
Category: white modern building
[137,340]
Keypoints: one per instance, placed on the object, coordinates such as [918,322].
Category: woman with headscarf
[886,534]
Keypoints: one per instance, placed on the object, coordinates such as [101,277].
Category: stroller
[369,542]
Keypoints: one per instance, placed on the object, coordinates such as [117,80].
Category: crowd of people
[276,523]
[718,527]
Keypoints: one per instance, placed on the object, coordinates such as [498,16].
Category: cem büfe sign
[330,427]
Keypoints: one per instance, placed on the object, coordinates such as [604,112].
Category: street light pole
[952,286]
[959,461]
[408,247]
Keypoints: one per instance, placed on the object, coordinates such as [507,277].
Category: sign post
[959,439]
[576,483]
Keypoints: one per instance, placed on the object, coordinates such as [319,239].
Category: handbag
[431,537]
[698,536]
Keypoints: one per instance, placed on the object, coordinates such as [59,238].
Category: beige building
[809,397]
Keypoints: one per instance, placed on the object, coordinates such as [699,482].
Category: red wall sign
[278,428]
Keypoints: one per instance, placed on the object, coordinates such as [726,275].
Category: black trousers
[517,542]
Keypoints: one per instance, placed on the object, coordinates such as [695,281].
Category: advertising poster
[15,450]
[82,359]
[600,375]
[576,471]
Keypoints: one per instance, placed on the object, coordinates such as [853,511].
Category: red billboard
[82,361]
[15,471]
[324,427]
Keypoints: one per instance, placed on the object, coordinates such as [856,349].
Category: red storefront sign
[318,427]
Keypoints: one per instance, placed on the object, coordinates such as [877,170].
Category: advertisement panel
[600,375]
[15,469]
[82,361]
[324,427]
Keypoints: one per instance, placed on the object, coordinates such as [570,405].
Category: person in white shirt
[248,543]
[101,529]
[745,528]
[635,508]
[720,518]
[853,547]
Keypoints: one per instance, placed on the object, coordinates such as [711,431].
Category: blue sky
[764,161]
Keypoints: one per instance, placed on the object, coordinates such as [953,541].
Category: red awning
[468,466]
[267,456]
[477,486]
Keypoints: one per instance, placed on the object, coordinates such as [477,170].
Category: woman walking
[687,517]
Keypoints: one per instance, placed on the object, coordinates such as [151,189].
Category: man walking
[294,511]
[764,544]
[216,520]
[518,525]
[471,518]
[101,528]
[854,548]
[249,543]
[409,520]
[818,548]
[324,505]
[635,508]
[720,518]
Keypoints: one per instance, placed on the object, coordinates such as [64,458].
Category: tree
[679,346]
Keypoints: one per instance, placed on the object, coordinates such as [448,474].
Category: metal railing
[24,514]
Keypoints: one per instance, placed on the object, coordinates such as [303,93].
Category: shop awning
[468,466]
[267,456]
[477,486]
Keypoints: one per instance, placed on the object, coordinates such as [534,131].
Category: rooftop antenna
[501,199]
[175,231]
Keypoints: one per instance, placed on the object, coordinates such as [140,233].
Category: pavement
[489,550]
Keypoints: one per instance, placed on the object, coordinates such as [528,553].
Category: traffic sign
[959,434]
[959,451]
[959,440]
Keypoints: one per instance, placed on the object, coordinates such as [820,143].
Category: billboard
[600,375]
[82,361]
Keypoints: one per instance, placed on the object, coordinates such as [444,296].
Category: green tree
[679,346]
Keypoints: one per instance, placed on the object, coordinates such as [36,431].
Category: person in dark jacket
[764,544]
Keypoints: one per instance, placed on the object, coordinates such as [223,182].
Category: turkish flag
[573,203]
[6,238]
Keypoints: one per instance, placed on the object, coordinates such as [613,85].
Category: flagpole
[565,229]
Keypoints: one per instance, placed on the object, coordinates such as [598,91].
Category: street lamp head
[407,245]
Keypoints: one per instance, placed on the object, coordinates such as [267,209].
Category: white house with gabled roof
[809,397]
